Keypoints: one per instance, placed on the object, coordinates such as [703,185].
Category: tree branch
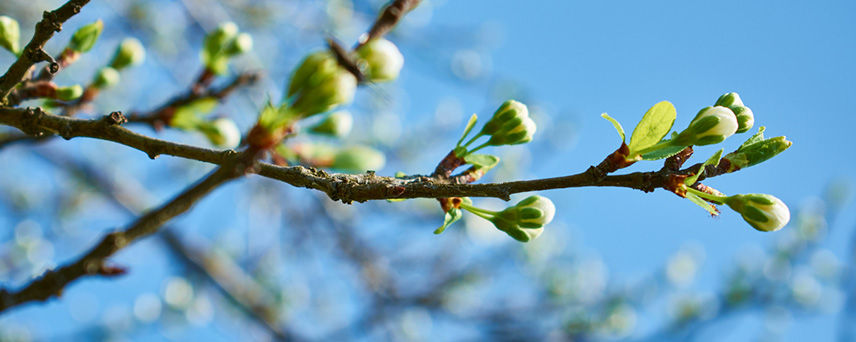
[342,187]
[34,51]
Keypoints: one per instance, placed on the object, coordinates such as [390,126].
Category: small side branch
[34,51]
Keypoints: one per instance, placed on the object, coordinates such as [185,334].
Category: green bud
[510,125]
[10,34]
[223,132]
[358,159]
[84,39]
[380,59]
[243,43]
[711,125]
[69,93]
[216,43]
[756,153]
[129,53]
[763,212]
[729,100]
[319,84]
[732,101]
[337,124]
[218,39]
[745,118]
[105,78]
[525,220]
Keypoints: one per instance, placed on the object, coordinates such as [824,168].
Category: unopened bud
[729,100]
[69,93]
[337,124]
[217,40]
[526,220]
[763,212]
[319,84]
[84,39]
[510,125]
[756,153]
[223,132]
[381,60]
[243,43]
[710,126]
[358,159]
[10,34]
[129,53]
[745,118]
[105,78]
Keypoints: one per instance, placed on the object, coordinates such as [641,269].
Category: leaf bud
[10,34]
[105,78]
[129,53]
[84,39]
[756,153]
[69,93]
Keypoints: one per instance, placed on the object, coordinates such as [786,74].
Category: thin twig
[34,51]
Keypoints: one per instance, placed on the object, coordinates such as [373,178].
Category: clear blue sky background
[791,61]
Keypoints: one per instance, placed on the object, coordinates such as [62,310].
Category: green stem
[483,213]
[707,196]
[471,140]
[486,144]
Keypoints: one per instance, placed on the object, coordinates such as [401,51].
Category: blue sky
[792,62]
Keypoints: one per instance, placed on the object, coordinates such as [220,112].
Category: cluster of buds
[10,34]
[318,85]
[509,125]
[524,221]
[223,44]
[714,124]
[379,60]
[745,118]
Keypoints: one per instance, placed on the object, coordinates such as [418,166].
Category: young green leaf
[482,160]
[702,203]
[615,124]
[452,216]
[710,161]
[754,138]
[663,152]
[655,124]
[470,125]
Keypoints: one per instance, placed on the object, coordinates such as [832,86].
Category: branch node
[115,118]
